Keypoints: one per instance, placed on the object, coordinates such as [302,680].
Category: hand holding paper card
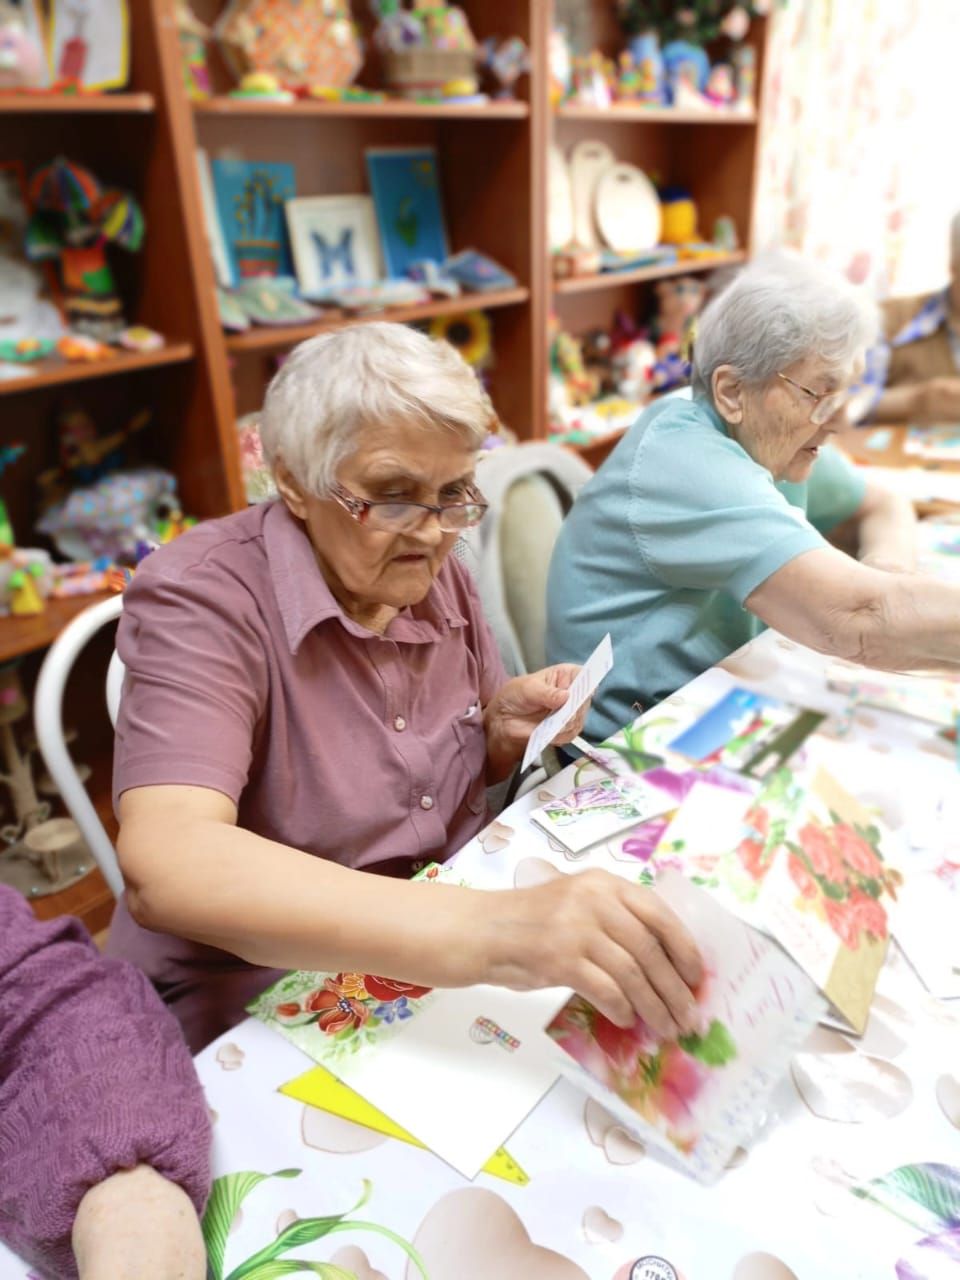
[699,1097]
[583,687]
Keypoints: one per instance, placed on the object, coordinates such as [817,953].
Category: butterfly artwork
[335,244]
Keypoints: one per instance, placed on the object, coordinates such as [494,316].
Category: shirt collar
[305,600]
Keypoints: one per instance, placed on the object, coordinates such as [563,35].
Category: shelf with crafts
[55,371]
[705,157]
[319,147]
[76,103]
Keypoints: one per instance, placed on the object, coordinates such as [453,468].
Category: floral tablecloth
[859,1160]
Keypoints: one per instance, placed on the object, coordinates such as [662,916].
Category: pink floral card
[702,1096]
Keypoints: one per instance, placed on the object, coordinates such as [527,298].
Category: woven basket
[415,71]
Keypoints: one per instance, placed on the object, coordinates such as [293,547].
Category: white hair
[333,386]
[781,309]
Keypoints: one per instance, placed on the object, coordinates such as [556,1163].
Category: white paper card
[465,1072]
[583,687]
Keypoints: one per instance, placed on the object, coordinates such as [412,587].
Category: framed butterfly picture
[335,244]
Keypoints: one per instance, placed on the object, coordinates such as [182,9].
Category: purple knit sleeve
[94,1078]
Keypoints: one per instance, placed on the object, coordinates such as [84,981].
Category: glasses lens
[465,516]
[394,517]
[828,408]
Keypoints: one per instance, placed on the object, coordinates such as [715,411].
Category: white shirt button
[426,802]
[399,723]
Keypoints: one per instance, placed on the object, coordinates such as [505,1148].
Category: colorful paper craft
[250,197]
[701,1097]
[923,697]
[319,1088]
[405,185]
[599,809]
[751,732]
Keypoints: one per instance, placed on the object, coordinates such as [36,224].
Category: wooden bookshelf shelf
[56,372]
[390,109]
[23,635]
[610,279]
[269,338]
[628,113]
[74,103]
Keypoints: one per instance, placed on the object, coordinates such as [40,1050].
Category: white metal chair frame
[48,724]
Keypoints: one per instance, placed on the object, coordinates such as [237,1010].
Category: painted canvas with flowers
[703,1095]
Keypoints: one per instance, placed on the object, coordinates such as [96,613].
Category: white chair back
[48,724]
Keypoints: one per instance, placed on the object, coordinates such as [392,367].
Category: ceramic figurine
[508,60]
[561,67]
[745,66]
[644,51]
[720,88]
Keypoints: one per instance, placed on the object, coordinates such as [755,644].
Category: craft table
[596,1203]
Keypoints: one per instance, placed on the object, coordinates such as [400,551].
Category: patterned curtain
[858,161]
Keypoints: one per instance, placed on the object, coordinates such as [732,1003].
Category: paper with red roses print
[826,887]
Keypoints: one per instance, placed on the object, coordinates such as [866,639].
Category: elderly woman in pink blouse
[314,707]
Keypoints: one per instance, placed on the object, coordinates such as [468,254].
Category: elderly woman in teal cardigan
[710,518]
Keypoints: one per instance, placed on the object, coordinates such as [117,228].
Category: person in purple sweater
[104,1131]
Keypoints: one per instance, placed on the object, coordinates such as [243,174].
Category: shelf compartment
[393,108]
[610,279]
[56,372]
[635,113]
[87,103]
[268,338]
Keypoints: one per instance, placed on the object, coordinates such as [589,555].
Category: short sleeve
[705,516]
[835,490]
[195,685]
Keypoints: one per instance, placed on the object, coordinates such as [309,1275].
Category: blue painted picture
[250,197]
[405,184]
[335,245]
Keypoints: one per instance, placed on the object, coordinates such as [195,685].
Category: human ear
[290,490]
[727,389]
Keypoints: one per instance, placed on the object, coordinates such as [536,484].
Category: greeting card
[751,732]
[405,186]
[250,197]
[823,885]
[699,1097]
[600,808]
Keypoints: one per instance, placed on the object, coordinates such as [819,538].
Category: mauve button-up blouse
[244,675]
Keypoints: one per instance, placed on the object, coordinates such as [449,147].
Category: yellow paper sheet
[320,1088]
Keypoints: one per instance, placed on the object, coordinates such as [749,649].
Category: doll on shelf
[74,219]
[193,36]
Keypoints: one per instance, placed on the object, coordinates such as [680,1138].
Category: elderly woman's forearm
[275,906]
[888,533]
[915,626]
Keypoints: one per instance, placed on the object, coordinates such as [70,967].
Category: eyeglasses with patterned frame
[827,404]
[403,517]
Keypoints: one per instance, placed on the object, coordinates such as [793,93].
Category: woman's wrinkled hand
[517,708]
[615,943]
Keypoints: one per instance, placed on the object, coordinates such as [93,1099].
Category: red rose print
[843,921]
[869,914]
[759,820]
[385,989]
[801,877]
[750,853]
[856,852]
[337,1012]
[623,1046]
[816,844]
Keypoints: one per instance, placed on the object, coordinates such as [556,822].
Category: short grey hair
[781,309]
[331,387]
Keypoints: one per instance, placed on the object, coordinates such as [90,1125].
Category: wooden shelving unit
[641,275]
[626,113]
[264,338]
[55,372]
[76,103]
[23,635]
[391,109]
